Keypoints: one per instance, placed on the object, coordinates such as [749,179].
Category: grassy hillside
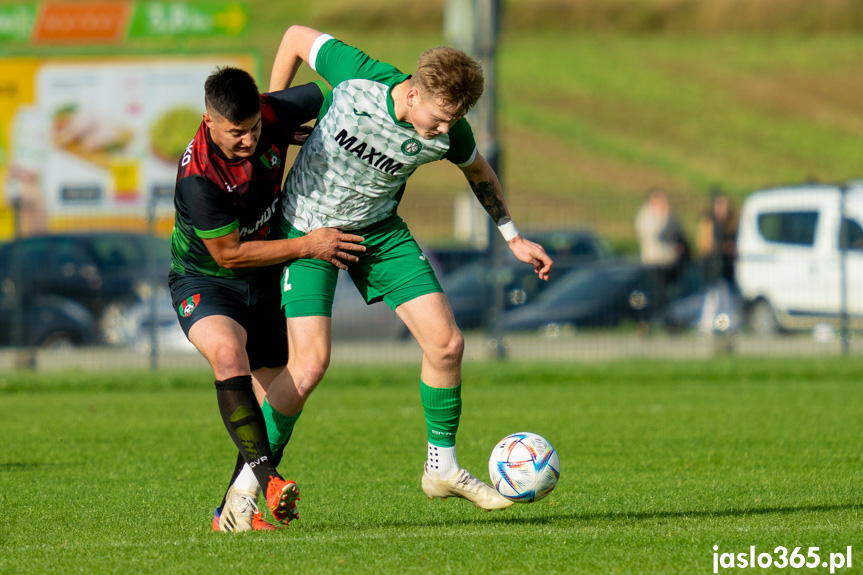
[596,107]
[619,114]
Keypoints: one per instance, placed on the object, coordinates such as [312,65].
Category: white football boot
[466,486]
[240,507]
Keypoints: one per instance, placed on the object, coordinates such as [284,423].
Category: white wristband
[508,230]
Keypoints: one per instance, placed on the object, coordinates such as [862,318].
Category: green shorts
[393,269]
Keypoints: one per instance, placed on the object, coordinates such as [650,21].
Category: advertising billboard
[92,142]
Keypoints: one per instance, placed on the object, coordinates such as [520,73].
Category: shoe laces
[467,481]
[244,504]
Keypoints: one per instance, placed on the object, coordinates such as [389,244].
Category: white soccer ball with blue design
[524,467]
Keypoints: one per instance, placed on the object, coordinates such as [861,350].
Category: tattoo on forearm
[487,196]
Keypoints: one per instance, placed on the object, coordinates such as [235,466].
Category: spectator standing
[717,239]
[662,245]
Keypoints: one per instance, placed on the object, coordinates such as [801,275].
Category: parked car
[134,328]
[562,245]
[605,294]
[105,272]
[608,293]
[470,288]
[454,257]
[717,308]
[353,319]
[572,246]
[46,321]
[789,266]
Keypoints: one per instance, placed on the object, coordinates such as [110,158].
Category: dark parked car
[105,272]
[452,258]
[606,294]
[565,245]
[353,319]
[45,321]
[572,247]
[470,288]
[601,295]
[713,308]
[149,318]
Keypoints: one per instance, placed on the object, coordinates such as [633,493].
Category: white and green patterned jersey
[352,169]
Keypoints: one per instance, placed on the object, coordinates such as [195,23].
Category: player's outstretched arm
[294,49]
[486,187]
[328,244]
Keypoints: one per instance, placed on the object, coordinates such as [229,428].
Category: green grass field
[119,473]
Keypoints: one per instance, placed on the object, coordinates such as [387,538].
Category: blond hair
[451,77]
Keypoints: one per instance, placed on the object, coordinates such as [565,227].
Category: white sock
[246,480]
[442,460]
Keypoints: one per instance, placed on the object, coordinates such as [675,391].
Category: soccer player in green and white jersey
[375,128]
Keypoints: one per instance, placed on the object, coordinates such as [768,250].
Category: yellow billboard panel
[95,142]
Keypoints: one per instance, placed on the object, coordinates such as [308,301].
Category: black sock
[244,421]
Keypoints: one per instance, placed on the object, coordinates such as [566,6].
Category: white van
[789,265]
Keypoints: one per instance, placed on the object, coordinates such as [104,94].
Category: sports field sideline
[119,472]
[587,346]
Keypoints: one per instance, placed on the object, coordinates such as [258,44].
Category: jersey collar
[391,103]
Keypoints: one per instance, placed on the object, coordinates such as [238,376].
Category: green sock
[442,408]
[279,427]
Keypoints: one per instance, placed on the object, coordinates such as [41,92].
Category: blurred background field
[599,101]
[603,100]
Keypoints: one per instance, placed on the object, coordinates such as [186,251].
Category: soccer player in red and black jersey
[224,270]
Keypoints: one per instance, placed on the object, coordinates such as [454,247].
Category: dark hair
[232,94]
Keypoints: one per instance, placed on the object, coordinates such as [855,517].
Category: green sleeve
[337,62]
[218,232]
[462,144]
[325,89]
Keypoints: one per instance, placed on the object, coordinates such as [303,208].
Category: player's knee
[310,375]
[452,351]
[457,346]
[227,358]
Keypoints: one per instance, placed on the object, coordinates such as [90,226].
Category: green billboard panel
[16,21]
[183,20]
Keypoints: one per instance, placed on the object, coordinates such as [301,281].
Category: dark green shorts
[393,269]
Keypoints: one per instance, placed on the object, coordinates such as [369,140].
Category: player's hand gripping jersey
[215,196]
[351,171]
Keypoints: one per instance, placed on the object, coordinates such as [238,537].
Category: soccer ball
[524,467]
